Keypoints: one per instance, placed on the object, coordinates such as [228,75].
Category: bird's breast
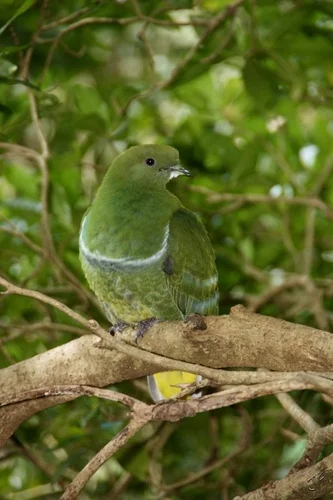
[126,248]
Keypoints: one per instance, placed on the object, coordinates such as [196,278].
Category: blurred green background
[245,92]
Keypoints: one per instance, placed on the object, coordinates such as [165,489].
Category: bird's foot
[118,327]
[196,322]
[144,325]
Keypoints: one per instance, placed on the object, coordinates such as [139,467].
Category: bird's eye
[150,162]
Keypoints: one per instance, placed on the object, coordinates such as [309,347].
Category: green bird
[144,254]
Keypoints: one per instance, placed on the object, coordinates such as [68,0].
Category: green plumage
[193,281]
[143,253]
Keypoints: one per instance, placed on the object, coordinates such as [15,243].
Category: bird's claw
[117,328]
[196,322]
[142,326]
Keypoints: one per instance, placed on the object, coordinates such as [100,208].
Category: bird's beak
[176,170]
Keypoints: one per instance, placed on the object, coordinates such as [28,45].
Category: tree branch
[102,456]
[239,339]
[242,199]
[307,484]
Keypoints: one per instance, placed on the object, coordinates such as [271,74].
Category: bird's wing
[190,265]
[191,276]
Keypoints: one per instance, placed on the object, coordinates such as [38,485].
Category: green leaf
[246,246]
[7,68]
[12,50]
[5,110]
[61,208]
[23,179]
[138,465]
[24,7]
[260,82]
[15,81]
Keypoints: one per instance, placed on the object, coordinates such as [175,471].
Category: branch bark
[307,484]
[240,339]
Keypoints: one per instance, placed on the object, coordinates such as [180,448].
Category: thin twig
[134,425]
[122,21]
[42,163]
[143,37]
[322,176]
[309,239]
[217,464]
[66,19]
[78,390]
[215,23]
[303,419]
[40,159]
[215,197]
[18,234]
[23,329]
[24,73]
[269,294]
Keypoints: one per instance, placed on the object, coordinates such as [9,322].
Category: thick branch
[307,484]
[241,339]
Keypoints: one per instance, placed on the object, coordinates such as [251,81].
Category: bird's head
[149,164]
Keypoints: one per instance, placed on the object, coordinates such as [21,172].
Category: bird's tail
[166,385]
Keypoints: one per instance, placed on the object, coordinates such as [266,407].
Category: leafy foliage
[249,106]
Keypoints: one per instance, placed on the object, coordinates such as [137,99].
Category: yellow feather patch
[168,382]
